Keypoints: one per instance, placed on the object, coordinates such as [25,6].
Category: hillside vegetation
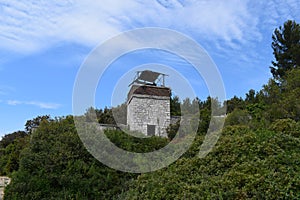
[256,156]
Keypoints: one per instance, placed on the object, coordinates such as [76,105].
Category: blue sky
[44,43]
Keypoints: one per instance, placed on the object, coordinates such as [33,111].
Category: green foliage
[287,126]
[190,107]
[205,116]
[10,147]
[135,144]
[57,166]
[172,130]
[250,97]
[243,165]
[255,110]
[105,116]
[34,123]
[286,48]
[120,113]
[238,117]
[291,95]
[249,162]
[282,100]
[11,138]
[235,103]
[175,106]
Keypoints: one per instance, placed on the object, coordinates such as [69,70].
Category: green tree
[10,138]
[11,146]
[250,96]
[235,103]
[291,95]
[238,117]
[286,49]
[120,113]
[175,106]
[105,116]
[35,122]
[90,115]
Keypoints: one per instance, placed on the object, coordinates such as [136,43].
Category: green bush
[287,126]
[244,164]
[238,117]
[56,165]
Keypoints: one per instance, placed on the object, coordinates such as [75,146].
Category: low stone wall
[4,181]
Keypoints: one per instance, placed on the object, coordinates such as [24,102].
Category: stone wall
[4,181]
[144,110]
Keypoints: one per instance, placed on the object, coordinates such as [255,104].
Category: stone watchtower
[148,104]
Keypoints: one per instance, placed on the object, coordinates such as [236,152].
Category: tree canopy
[286,48]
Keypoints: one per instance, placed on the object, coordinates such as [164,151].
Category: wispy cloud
[29,26]
[32,25]
[14,102]
[34,103]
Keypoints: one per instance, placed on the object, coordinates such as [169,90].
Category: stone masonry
[4,181]
[148,110]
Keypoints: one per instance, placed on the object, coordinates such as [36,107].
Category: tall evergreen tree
[286,49]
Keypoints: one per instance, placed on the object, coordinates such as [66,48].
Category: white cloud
[44,105]
[30,25]
[13,102]
[34,103]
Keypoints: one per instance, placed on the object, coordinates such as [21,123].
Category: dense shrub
[238,117]
[56,165]
[287,126]
[244,165]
